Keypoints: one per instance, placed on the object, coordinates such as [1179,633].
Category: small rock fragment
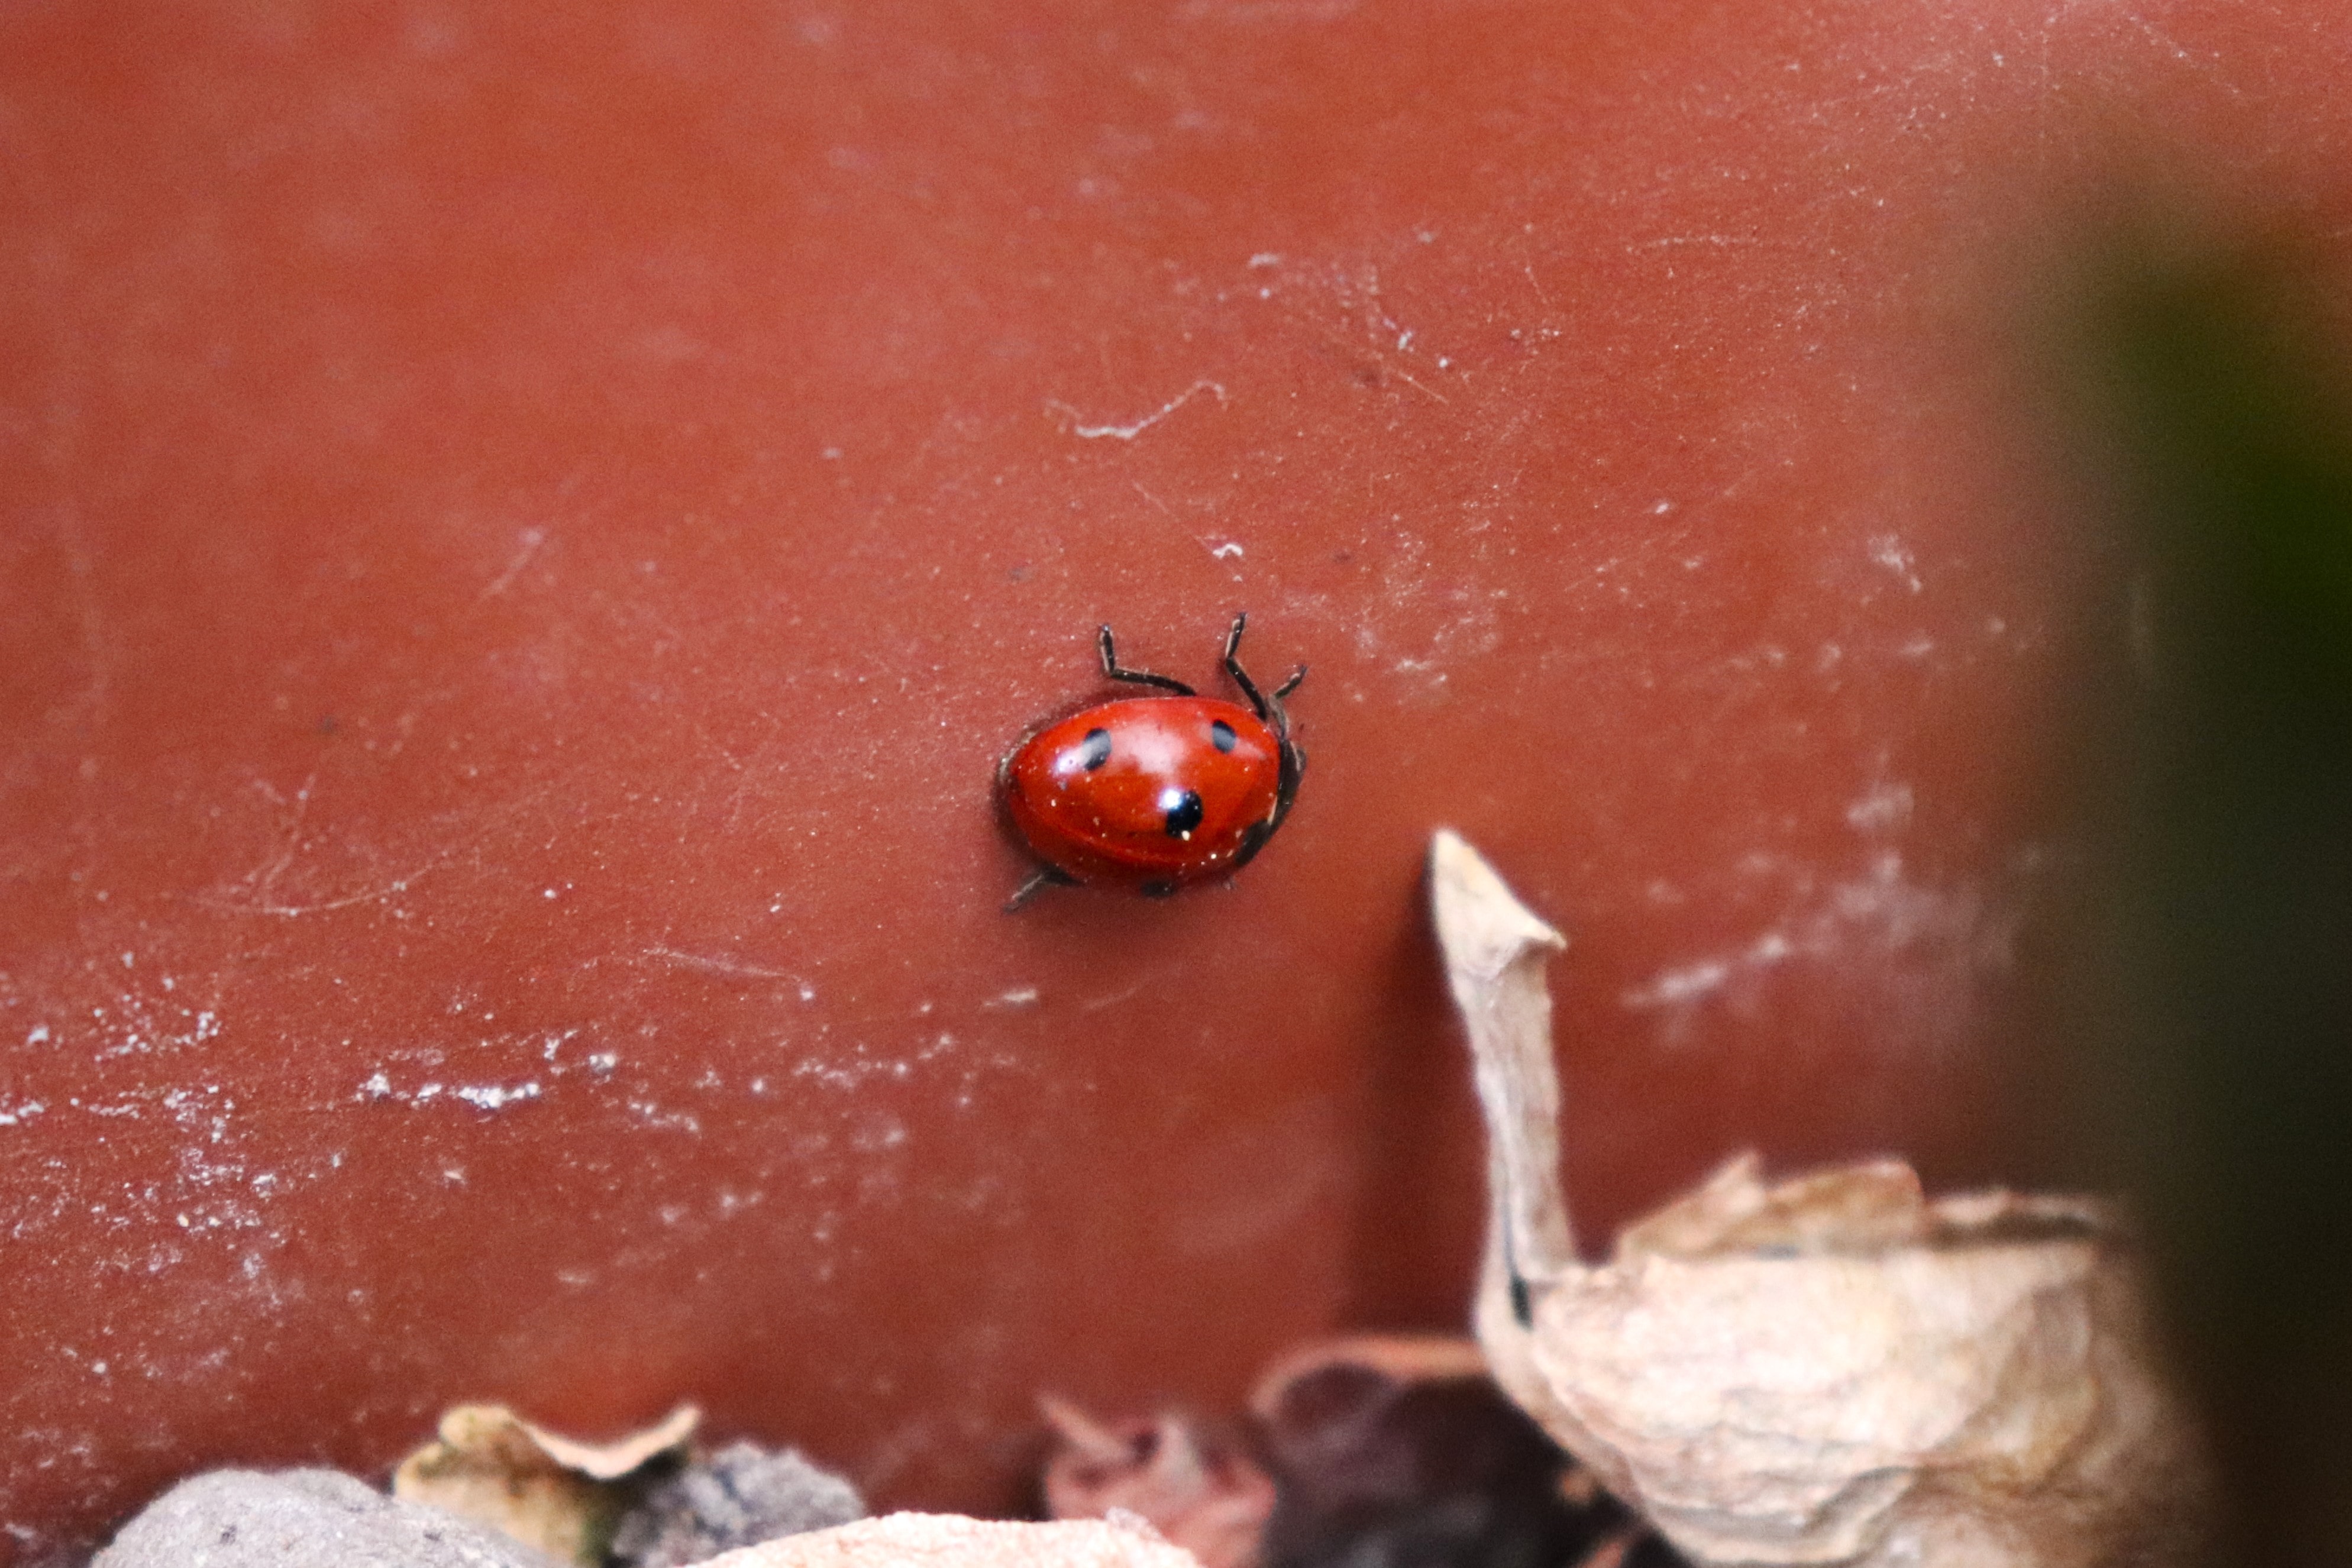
[302,1519]
[951,1540]
[740,1496]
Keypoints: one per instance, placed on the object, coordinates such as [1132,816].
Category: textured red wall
[524,530]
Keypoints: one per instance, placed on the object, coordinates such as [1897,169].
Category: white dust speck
[1130,431]
[496,1096]
[1891,553]
[1881,808]
[1688,983]
[652,1115]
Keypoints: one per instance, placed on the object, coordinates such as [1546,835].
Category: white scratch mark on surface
[1939,938]
[1688,983]
[527,546]
[261,882]
[1165,508]
[1881,807]
[1096,1004]
[1014,997]
[1130,432]
[392,889]
[1666,242]
[1277,11]
[711,964]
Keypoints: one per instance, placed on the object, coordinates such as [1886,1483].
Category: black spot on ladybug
[1158,890]
[1221,735]
[1184,815]
[1094,749]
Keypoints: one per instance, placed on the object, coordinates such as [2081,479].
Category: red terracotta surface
[525,530]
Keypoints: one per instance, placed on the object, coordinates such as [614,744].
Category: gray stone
[739,1496]
[302,1519]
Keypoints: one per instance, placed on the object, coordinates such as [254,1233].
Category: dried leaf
[1400,1450]
[562,1496]
[1828,1369]
[1188,1480]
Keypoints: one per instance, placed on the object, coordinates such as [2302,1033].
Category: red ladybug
[1154,793]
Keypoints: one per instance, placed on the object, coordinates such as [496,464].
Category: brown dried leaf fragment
[1192,1482]
[562,1496]
[1828,1369]
[1393,1449]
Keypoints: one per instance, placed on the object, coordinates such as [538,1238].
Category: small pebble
[302,1519]
[739,1496]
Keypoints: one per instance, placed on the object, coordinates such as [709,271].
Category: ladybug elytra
[1154,793]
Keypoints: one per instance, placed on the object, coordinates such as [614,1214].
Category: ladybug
[1154,793]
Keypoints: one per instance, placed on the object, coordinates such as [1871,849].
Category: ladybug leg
[1112,668]
[1043,877]
[1253,839]
[1285,791]
[1268,710]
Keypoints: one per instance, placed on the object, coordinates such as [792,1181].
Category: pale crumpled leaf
[496,1468]
[951,1540]
[1832,1369]
[1192,1484]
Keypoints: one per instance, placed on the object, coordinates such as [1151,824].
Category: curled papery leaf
[1832,1369]
[1191,1481]
[563,1497]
